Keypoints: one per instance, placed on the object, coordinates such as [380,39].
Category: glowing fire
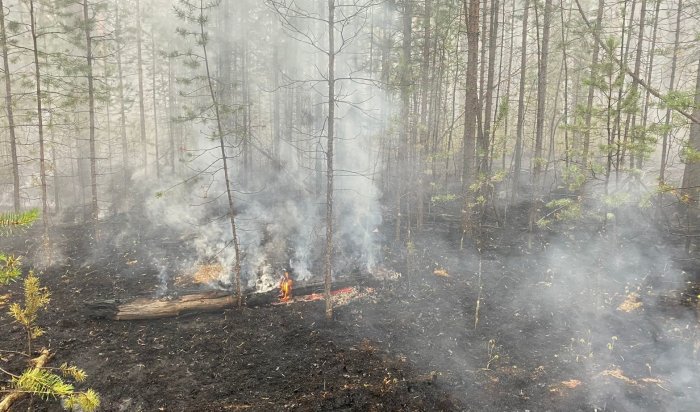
[286,287]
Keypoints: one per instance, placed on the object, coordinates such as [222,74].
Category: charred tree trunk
[8,108]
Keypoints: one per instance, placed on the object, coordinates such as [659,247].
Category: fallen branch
[14,396]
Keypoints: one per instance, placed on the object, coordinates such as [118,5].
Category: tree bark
[154,55]
[488,95]
[142,108]
[221,136]
[471,109]
[405,82]
[91,113]
[42,159]
[521,107]
[671,88]
[328,255]
[10,114]
[122,106]
[591,87]
[542,92]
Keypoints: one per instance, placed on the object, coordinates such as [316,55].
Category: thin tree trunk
[142,108]
[565,63]
[542,91]
[591,87]
[91,114]
[40,112]
[671,88]
[650,69]
[155,104]
[521,107]
[630,125]
[222,145]
[424,131]
[10,114]
[405,114]
[171,114]
[488,95]
[471,108]
[122,106]
[328,257]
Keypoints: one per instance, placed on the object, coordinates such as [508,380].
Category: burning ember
[286,287]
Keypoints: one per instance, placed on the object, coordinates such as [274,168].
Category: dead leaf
[441,272]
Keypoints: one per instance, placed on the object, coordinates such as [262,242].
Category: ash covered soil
[573,324]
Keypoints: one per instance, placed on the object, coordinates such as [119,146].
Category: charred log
[198,302]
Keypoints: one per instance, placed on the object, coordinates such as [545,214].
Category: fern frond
[73,372]
[42,383]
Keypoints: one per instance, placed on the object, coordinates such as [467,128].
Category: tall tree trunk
[91,114]
[488,95]
[171,117]
[691,173]
[10,114]
[155,103]
[222,146]
[624,53]
[650,69]
[405,85]
[542,92]
[671,87]
[122,107]
[40,112]
[328,257]
[631,125]
[276,125]
[565,63]
[591,87]
[423,128]
[471,108]
[521,107]
[142,103]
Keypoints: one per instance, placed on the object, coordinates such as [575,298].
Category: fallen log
[14,396]
[191,302]
[156,308]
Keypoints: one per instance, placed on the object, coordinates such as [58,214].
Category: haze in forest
[212,123]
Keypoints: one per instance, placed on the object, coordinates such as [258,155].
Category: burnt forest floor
[579,321]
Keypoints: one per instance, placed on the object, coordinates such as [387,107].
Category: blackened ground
[412,346]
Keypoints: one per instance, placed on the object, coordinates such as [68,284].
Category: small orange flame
[286,287]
